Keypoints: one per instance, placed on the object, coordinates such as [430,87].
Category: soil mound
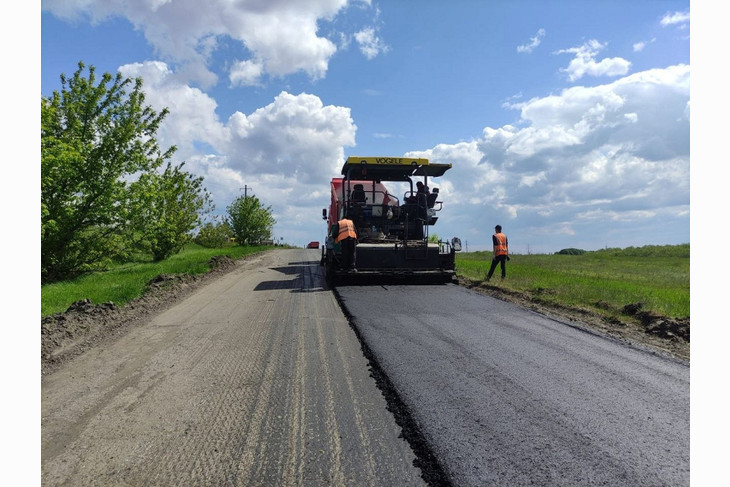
[221,262]
[661,326]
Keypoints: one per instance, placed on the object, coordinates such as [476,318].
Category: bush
[572,252]
[214,236]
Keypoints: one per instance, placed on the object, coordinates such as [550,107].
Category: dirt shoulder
[85,324]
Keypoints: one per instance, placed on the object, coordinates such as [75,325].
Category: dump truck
[392,207]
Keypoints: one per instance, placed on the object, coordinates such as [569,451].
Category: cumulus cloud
[295,135]
[534,42]
[639,46]
[679,19]
[246,73]
[192,112]
[590,160]
[286,151]
[281,36]
[370,44]
[584,62]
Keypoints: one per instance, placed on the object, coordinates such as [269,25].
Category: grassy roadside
[602,282]
[126,282]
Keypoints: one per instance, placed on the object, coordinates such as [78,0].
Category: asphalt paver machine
[392,214]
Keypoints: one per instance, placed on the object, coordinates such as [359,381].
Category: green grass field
[126,282]
[603,281]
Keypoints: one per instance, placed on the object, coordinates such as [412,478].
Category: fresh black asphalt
[506,396]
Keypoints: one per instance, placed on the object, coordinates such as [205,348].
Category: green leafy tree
[250,221]
[164,209]
[214,235]
[97,136]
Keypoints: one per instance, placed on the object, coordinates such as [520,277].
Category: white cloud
[192,115]
[584,63]
[295,135]
[282,36]
[534,42]
[246,73]
[639,46]
[680,19]
[584,163]
[286,151]
[531,179]
[370,44]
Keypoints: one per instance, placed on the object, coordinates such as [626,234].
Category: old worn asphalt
[255,380]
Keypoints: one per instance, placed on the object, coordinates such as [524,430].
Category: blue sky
[567,122]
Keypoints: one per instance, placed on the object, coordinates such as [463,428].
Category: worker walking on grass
[501,252]
[348,237]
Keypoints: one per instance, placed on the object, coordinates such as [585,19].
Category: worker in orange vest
[348,237]
[501,251]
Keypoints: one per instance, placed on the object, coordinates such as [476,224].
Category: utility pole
[245,191]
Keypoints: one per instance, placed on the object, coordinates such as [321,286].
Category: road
[259,379]
[506,396]
[255,380]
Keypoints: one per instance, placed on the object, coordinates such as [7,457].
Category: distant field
[603,281]
[126,282]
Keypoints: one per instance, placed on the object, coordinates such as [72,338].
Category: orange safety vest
[347,229]
[501,247]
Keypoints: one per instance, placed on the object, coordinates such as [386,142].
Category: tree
[97,137]
[164,208]
[214,235]
[249,220]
